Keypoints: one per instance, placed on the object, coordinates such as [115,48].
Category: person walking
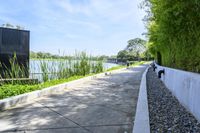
[127,64]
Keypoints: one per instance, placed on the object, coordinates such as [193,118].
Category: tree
[40,55]
[123,55]
[136,47]
[33,54]
[174,32]
[103,57]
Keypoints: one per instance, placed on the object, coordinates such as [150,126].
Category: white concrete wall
[185,86]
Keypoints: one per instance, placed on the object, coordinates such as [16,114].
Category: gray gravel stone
[166,114]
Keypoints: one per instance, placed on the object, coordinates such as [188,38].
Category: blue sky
[96,26]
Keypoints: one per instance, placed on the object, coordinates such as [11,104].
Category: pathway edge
[141,123]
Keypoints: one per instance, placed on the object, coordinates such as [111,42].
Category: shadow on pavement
[102,105]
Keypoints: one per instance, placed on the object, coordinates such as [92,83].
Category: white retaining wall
[185,86]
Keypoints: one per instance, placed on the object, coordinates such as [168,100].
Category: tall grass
[81,65]
[13,70]
[44,68]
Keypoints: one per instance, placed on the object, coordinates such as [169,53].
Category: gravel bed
[166,114]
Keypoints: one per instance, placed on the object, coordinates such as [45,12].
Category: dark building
[14,42]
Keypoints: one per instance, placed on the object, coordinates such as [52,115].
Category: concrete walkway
[103,105]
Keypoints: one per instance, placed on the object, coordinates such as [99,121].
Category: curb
[23,98]
[141,123]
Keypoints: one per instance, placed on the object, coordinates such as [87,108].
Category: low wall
[185,86]
[141,123]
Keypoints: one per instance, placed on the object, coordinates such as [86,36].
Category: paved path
[102,105]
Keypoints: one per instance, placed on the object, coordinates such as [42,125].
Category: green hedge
[174,32]
[9,90]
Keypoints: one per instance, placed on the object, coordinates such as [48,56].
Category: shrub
[174,33]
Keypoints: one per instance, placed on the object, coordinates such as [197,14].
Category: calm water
[35,68]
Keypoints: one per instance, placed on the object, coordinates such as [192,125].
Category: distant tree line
[47,55]
[135,50]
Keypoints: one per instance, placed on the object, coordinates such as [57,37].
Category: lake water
[35,68]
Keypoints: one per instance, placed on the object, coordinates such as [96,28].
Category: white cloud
[115,10]
[74,8]
[85,24]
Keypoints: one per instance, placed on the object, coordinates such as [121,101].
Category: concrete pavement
[102,105]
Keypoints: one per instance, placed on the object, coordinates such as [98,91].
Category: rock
[166,114]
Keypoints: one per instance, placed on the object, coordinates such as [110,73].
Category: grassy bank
[8,90]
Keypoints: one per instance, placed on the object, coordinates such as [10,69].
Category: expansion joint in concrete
[66,118]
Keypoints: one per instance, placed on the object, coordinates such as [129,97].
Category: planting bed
[166,114]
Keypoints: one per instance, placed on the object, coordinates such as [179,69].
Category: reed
[44,68]
[13,70]
[81,65]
